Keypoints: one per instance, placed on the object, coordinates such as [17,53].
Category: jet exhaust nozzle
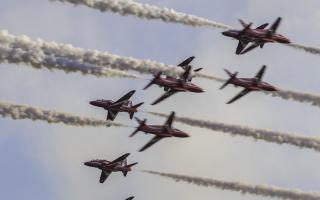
[141,124]
[131,114]
[232,76]
[153,80]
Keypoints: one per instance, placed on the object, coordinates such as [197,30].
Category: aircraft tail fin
[275,25]
[132,164]
[138,105]
[141,123]
[198,69]
[128,168]
[153,80]
[231,75]
[135,106]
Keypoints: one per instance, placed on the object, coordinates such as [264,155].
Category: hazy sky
[42,161]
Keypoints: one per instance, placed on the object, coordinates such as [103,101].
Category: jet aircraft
[249,84]
[121,105]
[160,131]
[173,85]
[107,167]
[258,36]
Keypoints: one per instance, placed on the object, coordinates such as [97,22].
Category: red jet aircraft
[107,167]
[250,84]
[258,36]
[159,131]
[121,105]
[173,85]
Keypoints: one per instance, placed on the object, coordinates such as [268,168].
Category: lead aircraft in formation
[257,36]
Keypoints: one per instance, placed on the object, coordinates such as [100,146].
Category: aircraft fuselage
[106,165]
[254,35]
[177,85]
[107,105]
[163,131]
[252,84]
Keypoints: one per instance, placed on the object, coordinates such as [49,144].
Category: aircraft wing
[104,175]
[125,97]
[170,120]
[241,46]
[261,73]
[275,25]
[121,158]
[151,142]
[253,46]
[112,115]
[263,26]
[186,62]
[130,198]
[241,94]
[164,96]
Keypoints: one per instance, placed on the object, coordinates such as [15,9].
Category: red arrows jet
[159,131]
[258,36]
[107,167]
[250,84]
[173,85]
[121,105]
[130,198]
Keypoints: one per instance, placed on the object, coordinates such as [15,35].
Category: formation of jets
[255,37]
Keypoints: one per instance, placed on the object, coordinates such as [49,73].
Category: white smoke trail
[35,51]
[260,190]
[15,50]
[313,50]
[145,11]
[259,134]
[15,111]
[313,99]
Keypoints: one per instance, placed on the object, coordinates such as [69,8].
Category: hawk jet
[121,105]
[107,167]
[249,84]
[173,85]
[257,36]
[160,131]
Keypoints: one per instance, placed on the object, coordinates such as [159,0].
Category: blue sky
[41,161]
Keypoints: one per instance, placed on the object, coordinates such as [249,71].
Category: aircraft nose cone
[86,163]
[226,33]
[184,135]
[92,103]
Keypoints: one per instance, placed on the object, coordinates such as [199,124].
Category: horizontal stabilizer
[157,76]
[232,76]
